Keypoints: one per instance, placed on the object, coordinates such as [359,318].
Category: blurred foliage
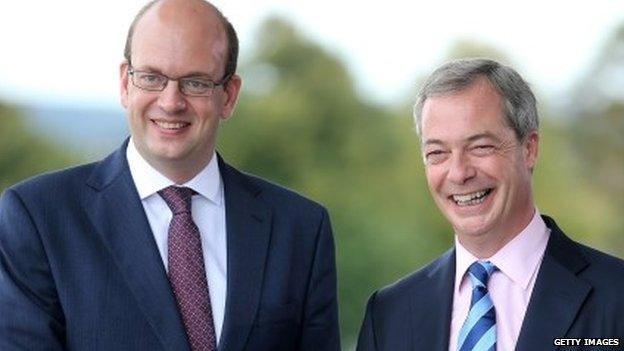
[301,123]
[304,126]
[22,152]
[470,48]
[309,130]
[597,129]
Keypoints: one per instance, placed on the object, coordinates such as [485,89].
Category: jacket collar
[119,219]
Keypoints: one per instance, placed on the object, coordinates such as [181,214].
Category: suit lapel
[248,225]
[433,298]
[558,293]
[119,218]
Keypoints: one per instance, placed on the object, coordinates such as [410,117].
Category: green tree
[306,127]
[23,152]
[596,108]
[302,123]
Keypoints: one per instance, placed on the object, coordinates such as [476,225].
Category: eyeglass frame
[222,82]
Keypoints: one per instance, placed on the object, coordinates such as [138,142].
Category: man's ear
[232,89]
[123,83]
[531,149]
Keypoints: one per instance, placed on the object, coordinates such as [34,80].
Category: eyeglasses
[189,86]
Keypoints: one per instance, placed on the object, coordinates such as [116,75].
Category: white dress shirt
[208,211]
[510,287]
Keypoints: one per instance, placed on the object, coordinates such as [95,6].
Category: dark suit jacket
[80,270]
[579,293]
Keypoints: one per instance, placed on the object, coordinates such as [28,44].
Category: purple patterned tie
[186,270]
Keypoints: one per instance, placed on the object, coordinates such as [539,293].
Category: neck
[179,175]
[179,171]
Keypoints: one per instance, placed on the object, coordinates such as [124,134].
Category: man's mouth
[471,199]
[170,125]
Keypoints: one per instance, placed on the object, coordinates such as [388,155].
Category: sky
[68,51]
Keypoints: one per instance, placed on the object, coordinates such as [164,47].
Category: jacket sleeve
[320,329]
[31,317]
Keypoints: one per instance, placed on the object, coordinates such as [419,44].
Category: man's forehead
[187,32]
[186,10]
[191,19]
[478,93]
[470,114]
[452,131]
[477,98]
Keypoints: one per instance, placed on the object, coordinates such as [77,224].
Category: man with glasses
[163,245]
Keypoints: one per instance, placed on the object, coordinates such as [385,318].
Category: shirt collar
[518,259]
[149,181]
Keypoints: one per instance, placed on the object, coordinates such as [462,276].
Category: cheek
[492,167]
[137,128]
[140,104]
[137,114]
[435,178]
[207,114]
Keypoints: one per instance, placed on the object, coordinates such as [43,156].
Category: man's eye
[194,84]
[150,78]
[482,150]
[435,156]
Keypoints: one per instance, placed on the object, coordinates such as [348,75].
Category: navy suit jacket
[80,270]
[579,293]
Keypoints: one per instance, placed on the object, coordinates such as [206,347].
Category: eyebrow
[190,74]
[472,138]
[197,74]
[147,69]
[486,135]
[433,142]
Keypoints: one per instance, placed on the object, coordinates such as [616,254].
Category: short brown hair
[232,39]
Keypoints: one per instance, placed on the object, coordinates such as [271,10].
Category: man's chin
[167,149]
[471,227]
[166,154]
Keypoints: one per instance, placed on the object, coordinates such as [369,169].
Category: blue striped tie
[479,330]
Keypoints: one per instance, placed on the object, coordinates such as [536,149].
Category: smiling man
[514,280]
[163,245]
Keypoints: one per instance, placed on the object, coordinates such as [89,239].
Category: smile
[170,125]
[472,198]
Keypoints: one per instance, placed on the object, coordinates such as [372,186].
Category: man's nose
[461,169]
[171,100]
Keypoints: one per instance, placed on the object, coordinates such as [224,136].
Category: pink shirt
[510,286]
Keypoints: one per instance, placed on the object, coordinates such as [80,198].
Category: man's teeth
[470,199]
[170,125]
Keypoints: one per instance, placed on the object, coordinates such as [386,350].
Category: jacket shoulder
[598,268]
[279,192]
[603,270]
[275,196]
[50,183]
[419,279]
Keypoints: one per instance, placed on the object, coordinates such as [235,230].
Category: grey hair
[519,102]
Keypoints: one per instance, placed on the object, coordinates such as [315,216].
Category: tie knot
[177,198]
[480,273]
